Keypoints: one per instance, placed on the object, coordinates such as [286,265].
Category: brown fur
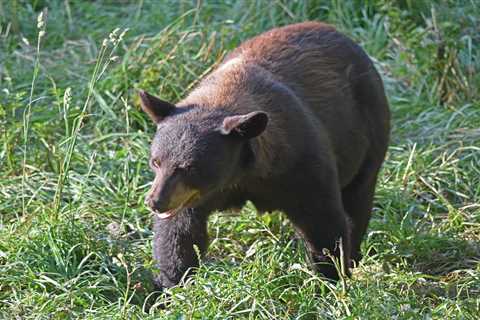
[320,153]
[314,62]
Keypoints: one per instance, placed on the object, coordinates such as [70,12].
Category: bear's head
[197,152]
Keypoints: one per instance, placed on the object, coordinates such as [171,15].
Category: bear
[296,120]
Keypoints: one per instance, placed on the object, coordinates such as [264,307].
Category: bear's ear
[156,109]
[246,126]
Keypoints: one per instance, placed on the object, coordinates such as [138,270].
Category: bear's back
[335,80]
[314,82]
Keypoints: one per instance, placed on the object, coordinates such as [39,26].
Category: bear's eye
[155,163]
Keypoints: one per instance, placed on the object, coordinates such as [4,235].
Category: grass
[75,237]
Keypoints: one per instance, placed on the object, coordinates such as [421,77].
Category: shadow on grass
[439,255]
[443,256]
[440,265]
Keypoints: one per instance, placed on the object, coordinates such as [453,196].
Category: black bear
[295,119]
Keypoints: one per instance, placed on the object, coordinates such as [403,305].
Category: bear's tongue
[167,214]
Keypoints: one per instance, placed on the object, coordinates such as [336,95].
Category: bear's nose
[155,202]
[150,202]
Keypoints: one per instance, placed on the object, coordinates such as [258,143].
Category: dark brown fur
[317,158]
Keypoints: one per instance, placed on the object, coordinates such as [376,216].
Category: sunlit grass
[75,238]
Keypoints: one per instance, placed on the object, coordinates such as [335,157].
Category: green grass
[75,237]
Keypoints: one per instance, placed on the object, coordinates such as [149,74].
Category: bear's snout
[169,194]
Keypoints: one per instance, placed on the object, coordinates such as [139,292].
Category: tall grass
[27,112]
[104,58]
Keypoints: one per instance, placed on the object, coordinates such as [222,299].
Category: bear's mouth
[167,214]
[173,212]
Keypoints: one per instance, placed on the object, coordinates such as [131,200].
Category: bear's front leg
[173,245]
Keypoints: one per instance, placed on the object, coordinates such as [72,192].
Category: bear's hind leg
[357,200]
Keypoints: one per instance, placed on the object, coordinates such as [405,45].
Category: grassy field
[75,237]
